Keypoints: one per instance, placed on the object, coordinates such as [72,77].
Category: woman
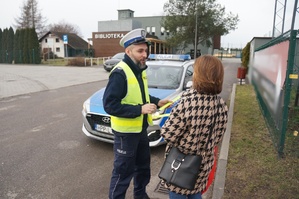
[189,123]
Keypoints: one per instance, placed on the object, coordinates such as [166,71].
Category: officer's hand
[148,108]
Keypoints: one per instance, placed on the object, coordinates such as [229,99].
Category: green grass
[55,62]
[254,169]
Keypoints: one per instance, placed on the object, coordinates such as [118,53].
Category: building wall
[152,25]
[106,44]
[54,43]
[255,43]
[120,25]
[125,14]
[106,40]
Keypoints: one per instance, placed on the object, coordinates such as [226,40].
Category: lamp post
[195,39]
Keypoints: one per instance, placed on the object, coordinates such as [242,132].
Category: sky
[256,16]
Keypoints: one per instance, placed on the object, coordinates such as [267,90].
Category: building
[63,45]
[106,40]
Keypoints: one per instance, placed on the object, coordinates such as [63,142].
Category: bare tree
[31,17]
[65,27]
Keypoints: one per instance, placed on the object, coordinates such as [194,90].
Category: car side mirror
[188,85]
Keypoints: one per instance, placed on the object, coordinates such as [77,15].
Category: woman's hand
[164,102]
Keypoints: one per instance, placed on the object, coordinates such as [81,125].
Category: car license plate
[102,128]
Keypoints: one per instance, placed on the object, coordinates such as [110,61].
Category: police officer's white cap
[136,36]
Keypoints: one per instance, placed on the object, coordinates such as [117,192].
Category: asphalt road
[230,76]
[44,153]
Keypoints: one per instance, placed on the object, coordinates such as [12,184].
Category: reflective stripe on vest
[133,97]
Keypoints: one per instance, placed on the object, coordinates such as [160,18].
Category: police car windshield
[164,77]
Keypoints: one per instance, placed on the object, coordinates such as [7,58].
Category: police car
[168,76]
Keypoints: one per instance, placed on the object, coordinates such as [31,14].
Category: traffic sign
[65,39]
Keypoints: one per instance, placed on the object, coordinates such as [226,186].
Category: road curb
[219,183]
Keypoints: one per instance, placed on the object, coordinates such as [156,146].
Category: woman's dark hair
[208,75]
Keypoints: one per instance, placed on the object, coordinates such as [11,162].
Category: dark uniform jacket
[116,90]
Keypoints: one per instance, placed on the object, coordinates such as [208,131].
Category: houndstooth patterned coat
[188,127]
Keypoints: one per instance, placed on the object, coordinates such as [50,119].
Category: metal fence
[275,79]
[31,56]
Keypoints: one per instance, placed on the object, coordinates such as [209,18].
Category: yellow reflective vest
[133,97]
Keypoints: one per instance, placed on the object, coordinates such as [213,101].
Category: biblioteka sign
[109,36]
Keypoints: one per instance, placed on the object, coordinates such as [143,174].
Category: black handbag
[181,169]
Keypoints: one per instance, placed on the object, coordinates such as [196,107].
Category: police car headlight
[85,108]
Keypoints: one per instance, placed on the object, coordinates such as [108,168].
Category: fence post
[297,95]
[20,56]
[6,56]
[33,57]
[287,94]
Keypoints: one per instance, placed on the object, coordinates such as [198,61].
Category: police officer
[127,100]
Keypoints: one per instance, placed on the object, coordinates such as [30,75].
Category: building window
[162,30]
[57,40]
[153,30]
[46,40]
[148,30]
[58,50]
[167,32]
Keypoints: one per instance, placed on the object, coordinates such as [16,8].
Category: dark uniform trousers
[131,160]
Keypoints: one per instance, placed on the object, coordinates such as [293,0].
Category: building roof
[74,40]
